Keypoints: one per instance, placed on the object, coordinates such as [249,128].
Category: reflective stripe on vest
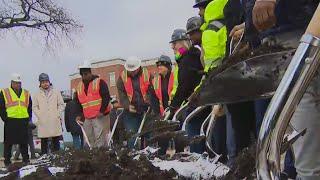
[157,84]
[16,107]
[215,25]
[144,84]
[91,102]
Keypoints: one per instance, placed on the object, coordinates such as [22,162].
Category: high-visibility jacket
[214,34]
[91,102]
[175,82]
[157,85]
[16,107]
[144,84]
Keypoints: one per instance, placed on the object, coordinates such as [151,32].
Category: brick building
[109,70]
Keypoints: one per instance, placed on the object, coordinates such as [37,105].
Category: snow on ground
[201,168]
[27,170]
[55,170]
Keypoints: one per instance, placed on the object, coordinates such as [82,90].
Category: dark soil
[245,55]
[245,166]
[102,164]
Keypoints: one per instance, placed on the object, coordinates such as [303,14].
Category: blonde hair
[186,43]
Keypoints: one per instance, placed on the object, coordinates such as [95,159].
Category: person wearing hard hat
[163,82]
[16,112]
[136,94]
[93,97]
[48,106]
[193,30]
[188,69]
[214,32]
[188,73]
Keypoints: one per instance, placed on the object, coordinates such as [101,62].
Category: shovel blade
[255,78]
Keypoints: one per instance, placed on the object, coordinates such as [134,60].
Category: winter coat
[189,76]
[48,109]
[70,114]
[15,130]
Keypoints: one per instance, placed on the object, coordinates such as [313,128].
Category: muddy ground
[120,164]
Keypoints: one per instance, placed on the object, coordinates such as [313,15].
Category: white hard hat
[133,63]
[16,77]
[85,65]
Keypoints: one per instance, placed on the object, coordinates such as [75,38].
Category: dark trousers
[243,123]
[32,149]
[8,149]
[219,136]
[55,144]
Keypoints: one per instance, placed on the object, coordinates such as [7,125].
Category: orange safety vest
[91,102]
[157,84]
[144,84]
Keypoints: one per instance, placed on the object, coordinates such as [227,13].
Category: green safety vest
[175,82]
[214,34]
[16,107]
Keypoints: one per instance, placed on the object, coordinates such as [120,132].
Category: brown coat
[48,109]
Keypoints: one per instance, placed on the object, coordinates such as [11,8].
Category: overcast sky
[112,29]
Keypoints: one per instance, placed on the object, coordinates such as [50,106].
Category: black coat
[71,111]
[15,130]
[189,77]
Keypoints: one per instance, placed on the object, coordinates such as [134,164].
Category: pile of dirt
[104,164]
[245,55]
[245,165]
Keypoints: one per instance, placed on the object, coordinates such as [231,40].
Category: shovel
[255,78]
[141,126]
[84,135]
[114,127]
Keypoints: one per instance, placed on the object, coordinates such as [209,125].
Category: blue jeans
[231,142]
[131,123]
[260,107]
[77,141]
[193,129]
[194,126]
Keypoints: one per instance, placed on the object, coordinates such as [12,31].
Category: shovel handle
[314,25]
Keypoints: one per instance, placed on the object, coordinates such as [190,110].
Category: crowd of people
[221,27]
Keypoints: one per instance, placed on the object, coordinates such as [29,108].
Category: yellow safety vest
[175,82]
[16,107]
[214,34]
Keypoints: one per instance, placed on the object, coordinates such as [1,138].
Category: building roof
[115,61]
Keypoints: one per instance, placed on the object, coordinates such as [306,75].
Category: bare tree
[44,16]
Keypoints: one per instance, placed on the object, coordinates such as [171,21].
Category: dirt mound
[102,164]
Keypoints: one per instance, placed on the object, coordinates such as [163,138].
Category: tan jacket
[48,109]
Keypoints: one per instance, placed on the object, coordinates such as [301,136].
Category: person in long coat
[48,106]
